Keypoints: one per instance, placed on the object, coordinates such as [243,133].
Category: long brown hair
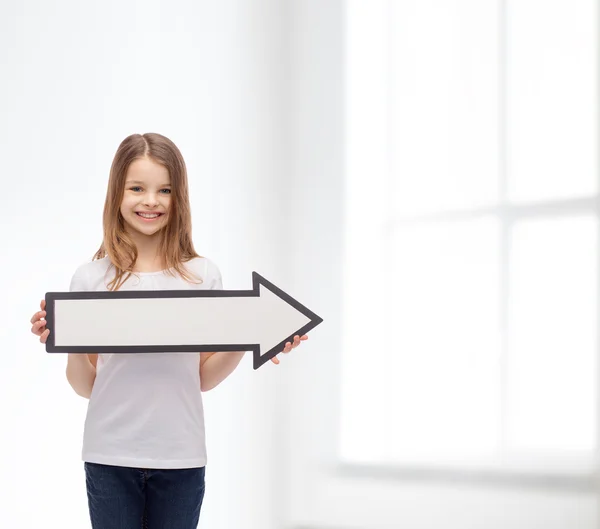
[176,242]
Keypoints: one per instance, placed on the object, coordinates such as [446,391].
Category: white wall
[77,79]
[319,496]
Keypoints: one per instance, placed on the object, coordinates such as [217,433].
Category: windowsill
[580,477]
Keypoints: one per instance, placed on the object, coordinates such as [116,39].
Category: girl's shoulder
[205,267]
[207,270]
[87,273]
[97,268]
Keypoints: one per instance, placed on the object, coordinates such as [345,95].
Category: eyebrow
[138,182]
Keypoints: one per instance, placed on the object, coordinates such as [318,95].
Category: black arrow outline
[257,280]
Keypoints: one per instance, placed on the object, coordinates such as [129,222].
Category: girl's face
[147,191]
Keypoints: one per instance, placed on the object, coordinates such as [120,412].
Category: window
[471,266]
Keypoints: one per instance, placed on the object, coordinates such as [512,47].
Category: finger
[275,360]
[43,304]
[305,337]
[37,327]
[38,315]
[44,336]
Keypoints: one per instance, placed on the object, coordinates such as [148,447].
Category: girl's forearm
[218,367]
[81,374]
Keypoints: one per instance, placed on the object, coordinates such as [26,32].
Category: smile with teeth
[148,216]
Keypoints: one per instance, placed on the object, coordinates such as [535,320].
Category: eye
[138,187]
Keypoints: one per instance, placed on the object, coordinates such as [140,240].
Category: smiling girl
[144,448]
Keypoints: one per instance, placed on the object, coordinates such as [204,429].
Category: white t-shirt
[145,410]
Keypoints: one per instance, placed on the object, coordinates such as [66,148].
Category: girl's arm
[81,373]
[216,367]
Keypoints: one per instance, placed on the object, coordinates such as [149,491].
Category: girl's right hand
[38,326]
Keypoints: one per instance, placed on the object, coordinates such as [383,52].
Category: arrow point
[286,318]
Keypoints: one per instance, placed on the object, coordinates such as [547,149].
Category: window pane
[444,336]
[551,98]
[363,414]
[444,104]
[553,319]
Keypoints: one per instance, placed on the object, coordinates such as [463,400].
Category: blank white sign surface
[186,321]
[262,320]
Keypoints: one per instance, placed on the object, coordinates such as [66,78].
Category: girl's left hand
[289,346]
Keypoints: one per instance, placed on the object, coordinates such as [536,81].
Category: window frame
[582,475]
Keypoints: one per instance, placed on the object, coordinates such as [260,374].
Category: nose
[150,200]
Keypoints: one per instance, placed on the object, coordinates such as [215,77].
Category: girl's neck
[148,259]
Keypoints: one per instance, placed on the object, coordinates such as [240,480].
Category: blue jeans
[141,498]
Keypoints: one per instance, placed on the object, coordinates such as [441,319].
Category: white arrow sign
[261,320]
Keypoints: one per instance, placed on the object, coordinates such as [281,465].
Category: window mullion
[505,223]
